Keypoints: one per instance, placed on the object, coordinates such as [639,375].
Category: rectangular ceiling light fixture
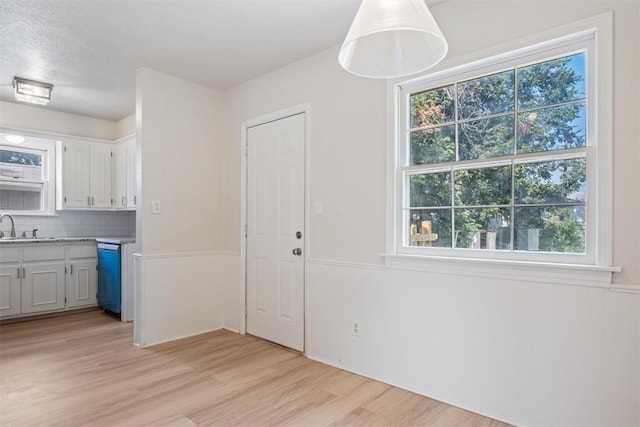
[32,91]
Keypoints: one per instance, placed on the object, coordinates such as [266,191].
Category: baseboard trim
[179,338]
[47,315]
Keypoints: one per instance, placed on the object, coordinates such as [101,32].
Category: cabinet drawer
[9,254]
[43,253]
[83,251]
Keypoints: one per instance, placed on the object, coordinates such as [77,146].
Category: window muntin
[26,176]
[499,161]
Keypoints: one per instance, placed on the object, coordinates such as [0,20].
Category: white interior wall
[179,127]
[20,116]
[525,352]
[349,116]
[125,127]
[179,130]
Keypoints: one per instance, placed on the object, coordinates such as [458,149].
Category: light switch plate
[156,207]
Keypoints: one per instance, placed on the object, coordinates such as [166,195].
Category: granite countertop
[116,240]
[22,240]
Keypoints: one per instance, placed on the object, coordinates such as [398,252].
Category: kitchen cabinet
[131,173]
[74,171]
[100,175]
[82,276]
[82,283]
[32,280]
[123,167]
[42,287]
[9,290]
[119,171]
[48,277]
[84,175]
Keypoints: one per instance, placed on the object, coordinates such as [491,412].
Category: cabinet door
[119,162]
[43,287]
[100,176]
[131,173]
[75,174]
[9,290]
[82,283]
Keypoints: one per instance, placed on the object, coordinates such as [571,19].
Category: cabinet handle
[89,200]
[24,274]
[71,267]
[18,273]
[93,202]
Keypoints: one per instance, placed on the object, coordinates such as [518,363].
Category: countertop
[20,240]
[116,240]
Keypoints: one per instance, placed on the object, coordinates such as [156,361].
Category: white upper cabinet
[131,173]
[124,188]
[119,168]
[84,170]
[100,175]
[75,175]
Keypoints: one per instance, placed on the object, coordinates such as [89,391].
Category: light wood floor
[82,370]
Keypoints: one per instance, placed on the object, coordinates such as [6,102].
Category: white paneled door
[275,231]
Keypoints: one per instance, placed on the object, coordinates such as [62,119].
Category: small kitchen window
[26,175]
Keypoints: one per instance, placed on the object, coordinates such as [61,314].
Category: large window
[26,178]
[498,160]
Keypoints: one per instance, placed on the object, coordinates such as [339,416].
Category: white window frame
[593,35]
[48,148]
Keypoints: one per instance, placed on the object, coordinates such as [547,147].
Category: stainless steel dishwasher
[109,277]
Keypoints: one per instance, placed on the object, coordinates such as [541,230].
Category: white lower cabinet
[42,287]
[82,283]
[47,277]
[9,290]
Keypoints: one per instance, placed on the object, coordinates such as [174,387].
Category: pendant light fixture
[392,38]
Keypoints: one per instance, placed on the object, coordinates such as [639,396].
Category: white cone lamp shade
[392,38]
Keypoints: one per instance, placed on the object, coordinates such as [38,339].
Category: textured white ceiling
[90,49]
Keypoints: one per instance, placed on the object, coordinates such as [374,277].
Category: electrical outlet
[356,329]
[156,207]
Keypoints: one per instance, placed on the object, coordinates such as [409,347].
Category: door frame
[249,123]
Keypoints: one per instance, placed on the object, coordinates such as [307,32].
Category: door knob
[297,251]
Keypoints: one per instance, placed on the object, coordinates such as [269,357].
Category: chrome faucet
[13,225]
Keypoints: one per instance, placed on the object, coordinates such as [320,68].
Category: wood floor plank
[83,370]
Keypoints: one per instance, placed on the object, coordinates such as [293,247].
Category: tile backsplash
[76,224]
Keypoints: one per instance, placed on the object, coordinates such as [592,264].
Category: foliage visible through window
[500,161]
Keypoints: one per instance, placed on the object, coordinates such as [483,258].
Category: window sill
[544,272]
